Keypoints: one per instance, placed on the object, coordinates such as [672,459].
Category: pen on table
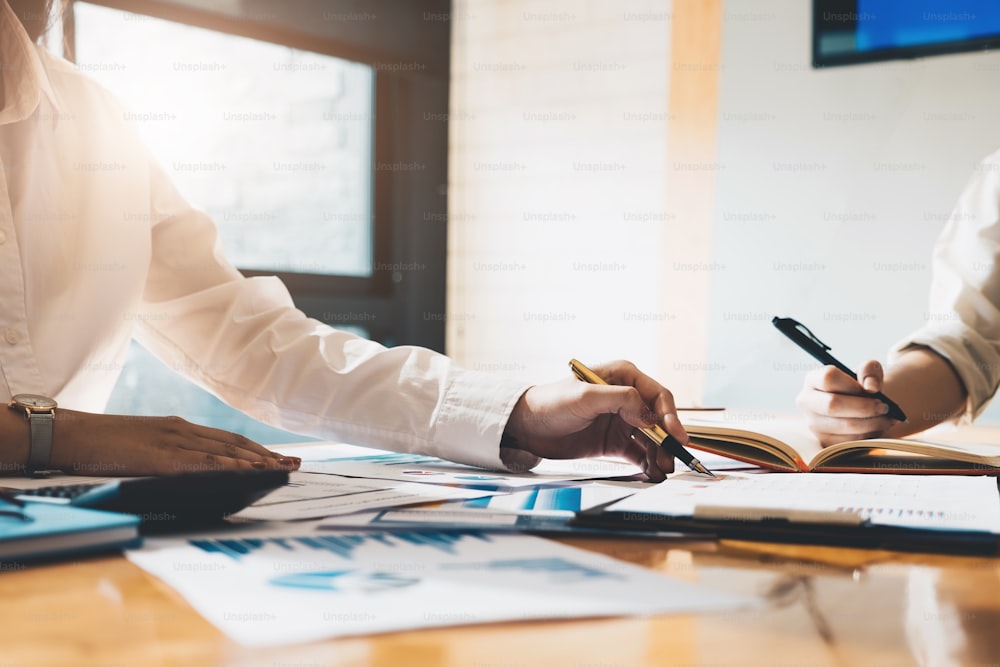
[799,334]
[654,433]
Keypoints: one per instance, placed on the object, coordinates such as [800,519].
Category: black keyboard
[67,491]
[170,502]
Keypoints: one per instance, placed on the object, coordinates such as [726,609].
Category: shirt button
[10,335]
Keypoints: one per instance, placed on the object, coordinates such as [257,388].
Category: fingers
[832,379]
[870,375]
[626,402]
[650,393]
[634,392]
[827,404]
[660,462]
[829,392]
[219,449]
[831,430]
[840,408]
[635,447]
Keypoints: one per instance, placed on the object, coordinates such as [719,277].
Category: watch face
[34,401]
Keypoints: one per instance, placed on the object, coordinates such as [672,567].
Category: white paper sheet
[944,502]
[353,461]
[312,496]
[545,509]
[263,591]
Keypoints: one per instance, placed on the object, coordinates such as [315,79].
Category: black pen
[655,433]
[799,334]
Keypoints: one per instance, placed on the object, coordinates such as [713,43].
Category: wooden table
[828,606]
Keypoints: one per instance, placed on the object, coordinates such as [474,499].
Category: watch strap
[40,426]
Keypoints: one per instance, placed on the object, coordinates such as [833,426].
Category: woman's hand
[107,445]
[572,419]
[841,408]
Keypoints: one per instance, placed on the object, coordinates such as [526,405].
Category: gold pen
[654,433]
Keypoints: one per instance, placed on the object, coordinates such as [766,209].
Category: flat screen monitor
[847,32]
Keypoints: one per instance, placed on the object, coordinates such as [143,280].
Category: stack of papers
[433,550]
[352,461]
[313,496]
[269,580]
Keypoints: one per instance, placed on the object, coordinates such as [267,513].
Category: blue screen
[885,24]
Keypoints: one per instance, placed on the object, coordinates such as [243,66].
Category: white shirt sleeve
[963,319]
[97,246]
[243,339]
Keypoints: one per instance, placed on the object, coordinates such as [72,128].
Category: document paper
[935,502]
[268,591]
[354,461]
[313,496]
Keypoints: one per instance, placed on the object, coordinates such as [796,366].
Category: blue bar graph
[343,545]
[346,581]
[388,459]
[559,570]
[567,499]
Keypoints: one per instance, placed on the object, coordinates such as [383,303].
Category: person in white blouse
[949,369]
[98,247]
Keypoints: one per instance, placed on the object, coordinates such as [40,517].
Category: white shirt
[98,247]
[963,320]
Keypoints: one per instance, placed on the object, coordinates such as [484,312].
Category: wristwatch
[41,413]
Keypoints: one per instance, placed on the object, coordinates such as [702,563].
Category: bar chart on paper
[277,590]
[344,546]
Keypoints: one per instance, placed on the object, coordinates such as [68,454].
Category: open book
[788,445]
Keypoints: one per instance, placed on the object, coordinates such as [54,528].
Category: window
[273,142]
[295,126]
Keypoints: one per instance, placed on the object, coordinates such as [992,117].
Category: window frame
[409,226]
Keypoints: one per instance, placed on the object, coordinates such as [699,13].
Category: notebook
[51,531]
[787,445]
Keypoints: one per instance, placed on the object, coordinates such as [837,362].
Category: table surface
[827,606]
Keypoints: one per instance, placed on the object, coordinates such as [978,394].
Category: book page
[743,434]
[943,502]
[790,435]
[983,455]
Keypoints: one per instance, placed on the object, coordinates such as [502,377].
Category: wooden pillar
[688,267]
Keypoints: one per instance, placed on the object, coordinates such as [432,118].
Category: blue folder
[56,530]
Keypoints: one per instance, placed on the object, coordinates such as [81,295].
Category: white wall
[831,187]
[558,139]
[834,185]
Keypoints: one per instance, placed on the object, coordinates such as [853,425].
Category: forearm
[71,431]
[13,442]
[85,443]
[927,388]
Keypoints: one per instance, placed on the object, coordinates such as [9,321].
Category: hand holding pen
[654,433]
[840,404]
[799,334]
[569,419]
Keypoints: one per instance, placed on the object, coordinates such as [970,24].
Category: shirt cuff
[472,419]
